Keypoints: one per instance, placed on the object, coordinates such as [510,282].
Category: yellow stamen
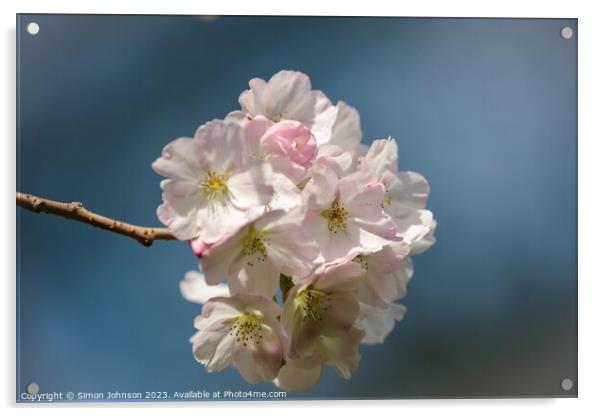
[247,327]
[215,185]
[362,259]
[254,243]
[386,201]
[278,117]
[313,304]
[337,217]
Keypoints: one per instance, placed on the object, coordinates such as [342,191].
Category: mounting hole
[33,28]
[566,32]
[33,388]
[567,384]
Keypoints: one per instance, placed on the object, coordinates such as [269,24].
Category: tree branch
[76,211]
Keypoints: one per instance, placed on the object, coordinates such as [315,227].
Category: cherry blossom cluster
[304,234]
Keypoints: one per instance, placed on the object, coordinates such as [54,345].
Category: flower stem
[77,212]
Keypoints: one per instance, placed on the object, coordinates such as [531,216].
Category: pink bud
[198,246]
[292,139]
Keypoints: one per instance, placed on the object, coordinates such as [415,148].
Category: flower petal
[182,226]
[381,156]
[251,187]
[220,219]
[291,248]
[291,139]
[194,288]
[295,378]
[218,258]
[251,100]
[335,158]
[346,131]
[217,313]
[254,131]
[342,352]
[385,279]
[257,362]
[212,344]
[402,277]
[220,146]
[286,94]
[332,245]
[363,200]
[322,187]
[178,160]
[378,326]
[325,115]
[284,166]
[423,244]
[344,312]
[415,226]
[213,348]
[286,193]
[300,337]
[249,275]
[341,276]
[410,189]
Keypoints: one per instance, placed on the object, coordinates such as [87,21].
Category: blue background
[485,109]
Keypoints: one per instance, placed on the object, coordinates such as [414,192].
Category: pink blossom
[240,331]
[324,304]
[288,95]
[213,186]
[345,215]
[291,139]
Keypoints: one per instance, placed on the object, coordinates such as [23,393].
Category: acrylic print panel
[282,199]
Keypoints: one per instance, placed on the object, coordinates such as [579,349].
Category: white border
[590,207]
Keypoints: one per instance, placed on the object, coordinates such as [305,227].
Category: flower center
[214,185]
[278,117]
[247,328]
[313,303]
[337,217]
[254,244]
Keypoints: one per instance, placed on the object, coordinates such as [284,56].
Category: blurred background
[485,109]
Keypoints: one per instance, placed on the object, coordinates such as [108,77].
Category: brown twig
[76,211]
